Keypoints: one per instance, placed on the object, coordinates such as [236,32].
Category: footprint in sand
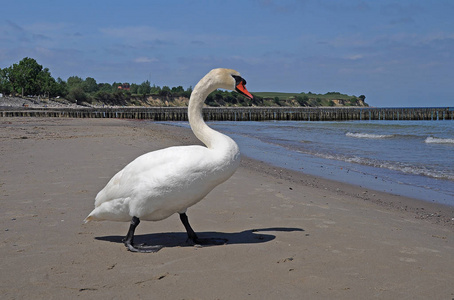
[417,250]
[325,224]
[407,259]
[408,251]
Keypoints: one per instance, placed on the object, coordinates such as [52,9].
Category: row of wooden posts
[240,113]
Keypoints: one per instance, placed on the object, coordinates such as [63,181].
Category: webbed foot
[142,248]
[129,240]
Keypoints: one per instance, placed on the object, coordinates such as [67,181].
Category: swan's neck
[210,137]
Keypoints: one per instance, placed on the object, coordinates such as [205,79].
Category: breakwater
[239,113]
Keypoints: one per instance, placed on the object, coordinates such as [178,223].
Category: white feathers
[161,183]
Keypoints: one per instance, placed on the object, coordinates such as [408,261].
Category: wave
[394,166]
[368,135]
[434,140]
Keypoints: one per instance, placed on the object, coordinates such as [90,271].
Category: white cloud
[355,57]
[145,59]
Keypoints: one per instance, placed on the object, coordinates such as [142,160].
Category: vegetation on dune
[30,78]
[311,99]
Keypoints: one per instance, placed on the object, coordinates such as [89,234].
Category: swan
[161,183]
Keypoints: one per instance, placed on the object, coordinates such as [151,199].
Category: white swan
[160,183]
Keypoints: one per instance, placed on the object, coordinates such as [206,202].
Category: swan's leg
[192,236]
[129,240]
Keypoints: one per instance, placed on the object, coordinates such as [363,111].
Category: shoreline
[290,235]
[436,213]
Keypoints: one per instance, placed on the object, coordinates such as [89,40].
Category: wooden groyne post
[240,113]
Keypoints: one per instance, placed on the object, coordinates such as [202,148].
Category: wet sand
[290,235]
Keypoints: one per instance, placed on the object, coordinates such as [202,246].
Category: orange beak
[241,88]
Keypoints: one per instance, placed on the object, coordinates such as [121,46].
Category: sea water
[409,158]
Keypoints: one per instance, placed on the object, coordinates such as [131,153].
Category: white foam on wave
[434,140]
[368,135]
[400,167]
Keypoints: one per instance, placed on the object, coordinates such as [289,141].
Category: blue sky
[396,53]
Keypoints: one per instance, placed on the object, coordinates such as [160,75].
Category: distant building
[124,86]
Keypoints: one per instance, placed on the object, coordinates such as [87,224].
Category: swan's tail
[112,211]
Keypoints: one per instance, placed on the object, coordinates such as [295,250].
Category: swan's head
[230,80]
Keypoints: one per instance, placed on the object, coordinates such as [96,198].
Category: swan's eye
[238,80]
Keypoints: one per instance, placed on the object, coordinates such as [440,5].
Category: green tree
[155,90]
[76,92]
[115,86]
[47,84]
[5,85]
[188,92]
[77,95]
[144,88]
[105,87]
[74,82]
[90,85]
[62,87]
[24,76]
[165,91]
[134,88]
[177,90]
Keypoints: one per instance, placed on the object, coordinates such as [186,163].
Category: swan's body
[160,183]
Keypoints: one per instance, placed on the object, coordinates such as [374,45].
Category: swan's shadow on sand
[178,239]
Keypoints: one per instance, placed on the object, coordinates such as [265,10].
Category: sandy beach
[290,235]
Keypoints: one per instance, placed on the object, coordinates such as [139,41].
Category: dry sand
[291,236]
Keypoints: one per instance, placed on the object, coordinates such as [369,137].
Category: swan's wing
[154,172]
